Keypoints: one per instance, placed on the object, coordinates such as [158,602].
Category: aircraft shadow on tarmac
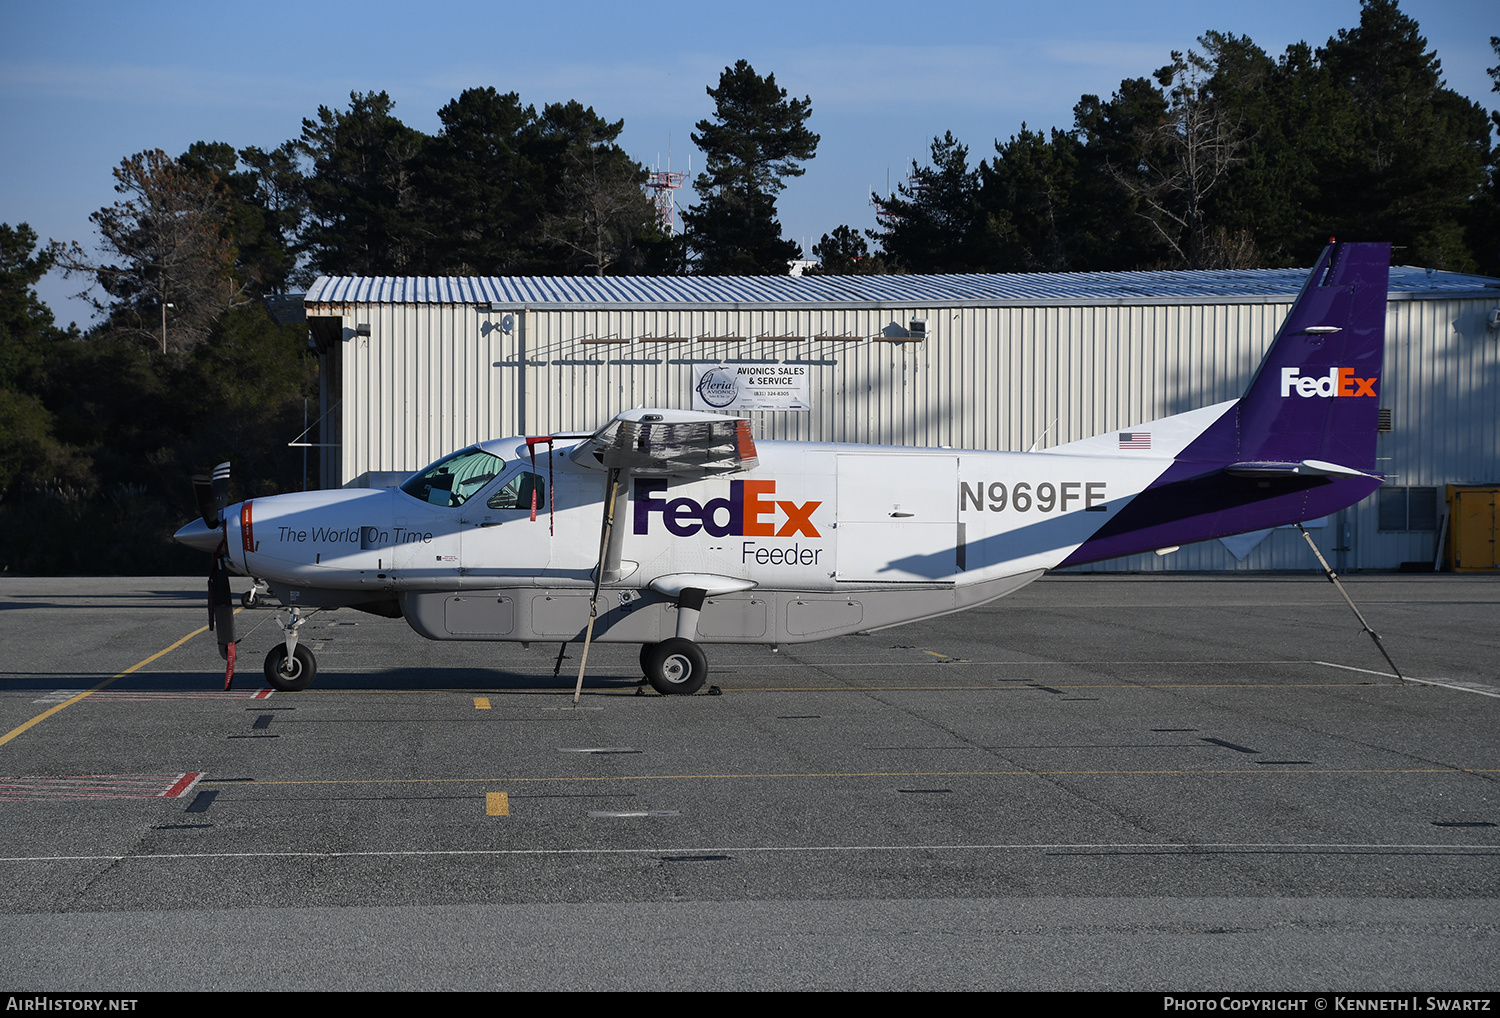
[189,598]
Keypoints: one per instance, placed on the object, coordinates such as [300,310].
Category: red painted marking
[98,786]
[247,530]
[146,695]
[182,784]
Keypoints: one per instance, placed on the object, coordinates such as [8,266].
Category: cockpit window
[451,480]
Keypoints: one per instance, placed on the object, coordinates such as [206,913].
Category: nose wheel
[290,674]
[674,666]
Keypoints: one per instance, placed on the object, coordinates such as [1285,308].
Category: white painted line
[888,663]
[598,749]
[1351,668]
[634,813]
[63,695]
[1462,687]
[1352,847]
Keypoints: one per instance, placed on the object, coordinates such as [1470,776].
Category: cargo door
[897,518]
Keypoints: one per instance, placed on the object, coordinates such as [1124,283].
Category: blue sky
[83,84]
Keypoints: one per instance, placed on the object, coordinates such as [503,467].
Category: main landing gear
[678,665]
[290,668]
[674,666]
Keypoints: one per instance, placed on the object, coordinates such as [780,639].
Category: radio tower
[660,184]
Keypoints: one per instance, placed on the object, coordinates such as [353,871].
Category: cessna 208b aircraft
[710,537]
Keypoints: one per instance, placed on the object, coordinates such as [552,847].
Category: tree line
[1223,158]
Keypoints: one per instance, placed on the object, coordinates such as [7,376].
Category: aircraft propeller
[212,494]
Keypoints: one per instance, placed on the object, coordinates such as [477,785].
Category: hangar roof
[1036,288]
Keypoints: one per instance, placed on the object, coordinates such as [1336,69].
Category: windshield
[451,480]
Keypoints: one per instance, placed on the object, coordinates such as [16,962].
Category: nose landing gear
[290,674]
[290,668]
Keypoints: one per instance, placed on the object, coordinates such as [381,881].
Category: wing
[677,442]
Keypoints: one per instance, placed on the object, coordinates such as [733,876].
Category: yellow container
[1471,529]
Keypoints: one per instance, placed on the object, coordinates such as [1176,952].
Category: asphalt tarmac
[1169,783]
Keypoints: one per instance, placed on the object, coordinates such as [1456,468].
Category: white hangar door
[897,518]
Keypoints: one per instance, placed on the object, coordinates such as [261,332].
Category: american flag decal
[1135,440]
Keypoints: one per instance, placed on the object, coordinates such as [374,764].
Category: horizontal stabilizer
[1303,468]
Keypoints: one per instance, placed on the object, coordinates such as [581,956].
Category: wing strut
[605,529]
[1334,579]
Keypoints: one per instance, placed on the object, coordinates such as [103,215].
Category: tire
[646,649]
[303,669]
[676,666]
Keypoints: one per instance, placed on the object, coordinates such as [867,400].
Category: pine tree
[597,211]
[1412,154]
[757,139]
[933,222]
[168,250]
[1029,185]
[362,193]
[483,191]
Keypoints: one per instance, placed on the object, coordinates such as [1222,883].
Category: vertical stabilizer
[1317,394]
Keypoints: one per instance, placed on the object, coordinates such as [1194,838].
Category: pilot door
[506,536]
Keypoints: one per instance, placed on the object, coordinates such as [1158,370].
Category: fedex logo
[1338,382]
[749,511]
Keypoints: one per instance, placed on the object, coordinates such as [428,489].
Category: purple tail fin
[1299,444]
[1317,394]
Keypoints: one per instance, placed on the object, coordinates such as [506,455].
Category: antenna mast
[659,185]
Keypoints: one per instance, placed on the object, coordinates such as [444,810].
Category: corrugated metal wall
[431,378]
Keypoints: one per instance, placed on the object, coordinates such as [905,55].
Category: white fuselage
[895,533]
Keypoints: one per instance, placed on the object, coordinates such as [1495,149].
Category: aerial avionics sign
[750,387]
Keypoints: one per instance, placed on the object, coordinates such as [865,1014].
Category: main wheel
[646,649]
[675,666]
[290,676]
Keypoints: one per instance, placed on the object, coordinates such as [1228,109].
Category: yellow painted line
[44,715]
[873,774]
[481,703]
[496,804]
[934,653]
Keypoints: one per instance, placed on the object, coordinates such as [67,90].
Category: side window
[517,494]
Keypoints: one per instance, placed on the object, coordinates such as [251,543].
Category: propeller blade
[220,486]
[221,611]
[212,495]
[204,495]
